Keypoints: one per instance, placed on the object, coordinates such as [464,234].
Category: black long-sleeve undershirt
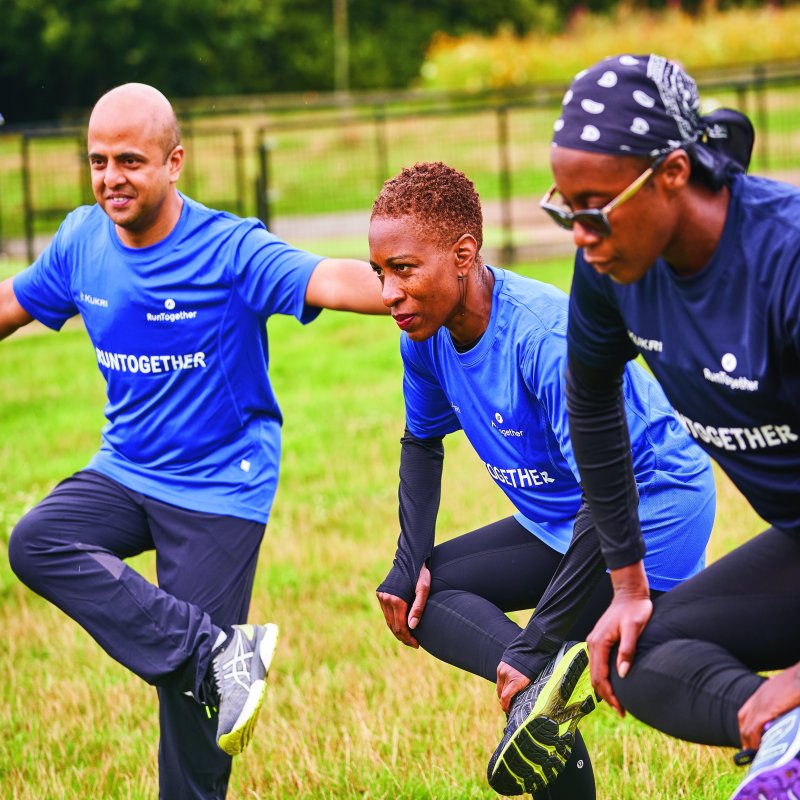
[420,489]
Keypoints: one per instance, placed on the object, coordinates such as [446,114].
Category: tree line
[58,56]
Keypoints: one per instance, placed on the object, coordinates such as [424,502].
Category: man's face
[132,172]
[418,275]
[641,228]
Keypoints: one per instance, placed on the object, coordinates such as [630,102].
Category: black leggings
[697,659]
[477,578]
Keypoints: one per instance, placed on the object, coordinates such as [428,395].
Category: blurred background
[297,112]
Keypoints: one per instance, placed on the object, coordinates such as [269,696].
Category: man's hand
[395,610]
[774,697]
[510,682]
[622,622]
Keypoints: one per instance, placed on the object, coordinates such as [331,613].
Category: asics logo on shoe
[237,669]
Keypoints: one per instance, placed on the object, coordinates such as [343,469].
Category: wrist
[630,582]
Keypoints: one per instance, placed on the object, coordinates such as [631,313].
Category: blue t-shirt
[180,338]
[724,343]
[507,395]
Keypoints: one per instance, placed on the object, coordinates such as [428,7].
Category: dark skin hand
[622,622]
[510,682]
[398,618]
[774,697]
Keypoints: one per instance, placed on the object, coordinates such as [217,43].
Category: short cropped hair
[441,198]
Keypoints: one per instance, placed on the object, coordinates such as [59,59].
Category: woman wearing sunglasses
[694,265]
[484,351]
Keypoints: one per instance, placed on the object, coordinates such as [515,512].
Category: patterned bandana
[648,106]
[630,105]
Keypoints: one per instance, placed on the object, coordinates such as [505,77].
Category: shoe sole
[772,784]
[538,750]
[240,735]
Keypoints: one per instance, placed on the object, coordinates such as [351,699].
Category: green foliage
[711,40]
[58,56]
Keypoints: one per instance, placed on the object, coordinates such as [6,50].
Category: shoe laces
[237,668]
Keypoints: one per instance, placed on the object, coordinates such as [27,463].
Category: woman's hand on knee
[423,589]
[622,623]
[395,610]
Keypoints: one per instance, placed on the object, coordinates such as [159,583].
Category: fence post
[188,171]
[381,148]
[506,216]
[86,192]
[262,183]
[238,165]
[760,89]
[26,198]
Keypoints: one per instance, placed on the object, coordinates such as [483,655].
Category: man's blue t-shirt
[180,337]
[507,394]
[724,343]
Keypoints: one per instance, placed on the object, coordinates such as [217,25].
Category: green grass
[350,713]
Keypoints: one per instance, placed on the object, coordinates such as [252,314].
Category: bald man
[174,297]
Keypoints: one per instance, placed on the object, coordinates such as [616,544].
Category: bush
[713,39]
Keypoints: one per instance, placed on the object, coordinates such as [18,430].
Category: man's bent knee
[25,547]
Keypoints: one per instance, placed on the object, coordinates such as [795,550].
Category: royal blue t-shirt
[724,343]
[180,338]
[507,394]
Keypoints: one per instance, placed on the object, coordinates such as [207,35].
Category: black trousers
[475,579]
[697,660]
[70,550]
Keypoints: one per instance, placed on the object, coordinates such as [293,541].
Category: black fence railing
[312,173]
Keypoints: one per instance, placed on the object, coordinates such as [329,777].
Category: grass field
[350,713]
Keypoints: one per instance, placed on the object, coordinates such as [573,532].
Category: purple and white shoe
[775,771]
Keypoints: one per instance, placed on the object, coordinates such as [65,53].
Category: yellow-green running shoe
[239,667]
[540,731]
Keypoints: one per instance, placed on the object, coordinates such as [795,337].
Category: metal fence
[312,173]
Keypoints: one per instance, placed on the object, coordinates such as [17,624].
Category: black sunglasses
[595,219]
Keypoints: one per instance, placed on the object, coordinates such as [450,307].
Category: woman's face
[419,276]
[641,228]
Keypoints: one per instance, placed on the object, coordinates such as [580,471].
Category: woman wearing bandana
[689,262]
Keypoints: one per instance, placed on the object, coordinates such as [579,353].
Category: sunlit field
[350,713]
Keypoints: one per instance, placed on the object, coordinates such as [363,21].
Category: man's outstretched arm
[12,314]
[345,284]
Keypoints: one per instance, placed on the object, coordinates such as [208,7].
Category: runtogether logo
[729,362]
[170,315]
[498,421]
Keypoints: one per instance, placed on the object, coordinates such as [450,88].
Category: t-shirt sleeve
[596,331]
[428,410]
[44,289]
[272,276]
